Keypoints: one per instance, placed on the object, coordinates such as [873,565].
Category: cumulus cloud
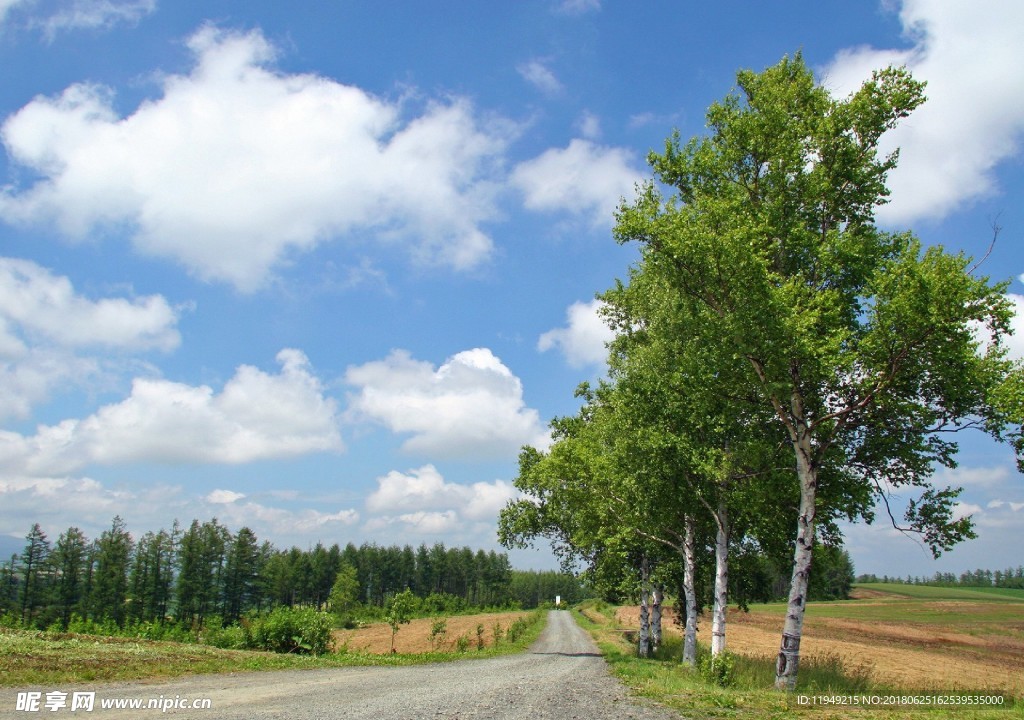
[469,407]
[970,55]
[278,522]
[46,306]
[425,489]
[537,74]
[47,330]
[583,179]
[213,175]
[584,338]
[962,510]
[255,416]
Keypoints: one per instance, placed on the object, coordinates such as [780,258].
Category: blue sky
[322,268]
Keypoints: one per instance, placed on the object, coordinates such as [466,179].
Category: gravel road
[562,676]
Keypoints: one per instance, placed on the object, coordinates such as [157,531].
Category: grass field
[32,658]
[891,640]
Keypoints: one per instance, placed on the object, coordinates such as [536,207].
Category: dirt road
[561,676]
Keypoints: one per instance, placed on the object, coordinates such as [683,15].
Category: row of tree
[1008,578]
[779,363]
[206,570]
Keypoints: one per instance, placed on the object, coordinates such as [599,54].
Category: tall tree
[69,559]
[861,345]
[109,595]
[240,575]
[33,564]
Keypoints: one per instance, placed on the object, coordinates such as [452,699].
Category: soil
[415,637]
[903,655]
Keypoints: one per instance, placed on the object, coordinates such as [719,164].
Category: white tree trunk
[788,662]
[690,595]
[657,595]
[721,599]
[644,643]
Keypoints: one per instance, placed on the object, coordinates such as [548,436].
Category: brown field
[903,654]
[415,637]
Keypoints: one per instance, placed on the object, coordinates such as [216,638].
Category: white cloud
[583,340]
[469,407]
[47,330]
[425,489]
[538,75]
[974,477]
[256,416]
[962,510]
[7,5]
[93,14]
[224,497]
[998,504]
[45,305]
[278,522]
[583,179]
[589,126]
[214,176]
[578,7]
[970,55]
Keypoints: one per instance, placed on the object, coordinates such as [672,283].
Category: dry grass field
[415,637]
[913,639]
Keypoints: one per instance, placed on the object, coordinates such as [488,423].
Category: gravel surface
[562,676]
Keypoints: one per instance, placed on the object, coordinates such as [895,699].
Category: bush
[232,637]
[719,669]
[293,630]
[438,629]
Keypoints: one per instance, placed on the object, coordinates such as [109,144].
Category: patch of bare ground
[905,656]
[415,637]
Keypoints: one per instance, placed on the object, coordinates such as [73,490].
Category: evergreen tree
[69,562]
[33,570]
[109,595]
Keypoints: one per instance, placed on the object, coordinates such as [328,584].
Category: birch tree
[860,344]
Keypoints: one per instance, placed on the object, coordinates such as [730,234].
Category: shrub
[232,637]
[293,630]
[438,629]
[462,643]
[479,637]
[719,669]
[498,633]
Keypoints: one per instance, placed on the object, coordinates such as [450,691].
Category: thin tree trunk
[690,595]
[657,595]
[644,643]
[721,599]
[788,661]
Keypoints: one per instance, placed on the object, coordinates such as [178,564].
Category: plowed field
[415,637]
[915,643]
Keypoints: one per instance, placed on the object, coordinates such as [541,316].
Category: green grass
[750,694]
[920,605]
[930,592]
[32,658]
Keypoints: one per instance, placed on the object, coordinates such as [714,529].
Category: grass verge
[34,658]
[748,692]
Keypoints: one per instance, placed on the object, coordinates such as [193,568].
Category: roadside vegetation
[927,643]
[38,657]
